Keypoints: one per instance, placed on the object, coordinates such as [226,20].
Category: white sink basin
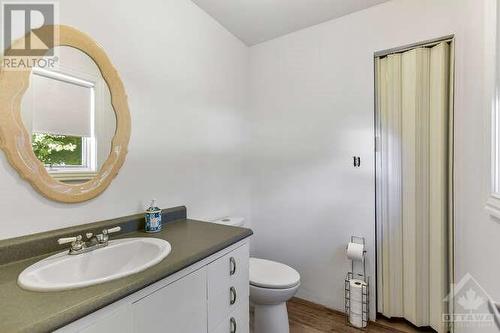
[120,258]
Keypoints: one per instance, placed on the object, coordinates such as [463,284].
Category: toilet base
[271,318]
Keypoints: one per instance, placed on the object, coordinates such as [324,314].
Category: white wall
[312,110]
[186,78]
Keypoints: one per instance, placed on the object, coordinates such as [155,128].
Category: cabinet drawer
[228,270]
[237,322]
[220,305]
[228,286]
[178,307]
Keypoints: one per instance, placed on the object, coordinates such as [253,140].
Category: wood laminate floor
[307,317]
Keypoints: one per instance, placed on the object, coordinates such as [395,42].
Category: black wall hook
[356,161]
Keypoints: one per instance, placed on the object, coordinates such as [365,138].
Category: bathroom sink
[120,258]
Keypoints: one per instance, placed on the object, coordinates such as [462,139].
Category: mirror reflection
[68,112]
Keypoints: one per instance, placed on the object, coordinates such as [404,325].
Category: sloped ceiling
[256,21]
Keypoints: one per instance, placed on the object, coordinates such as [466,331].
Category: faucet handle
[69,240]
[103,238]
[111,230]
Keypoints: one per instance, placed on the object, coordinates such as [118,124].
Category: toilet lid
[270,274]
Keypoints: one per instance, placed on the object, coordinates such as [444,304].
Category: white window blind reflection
[62,105]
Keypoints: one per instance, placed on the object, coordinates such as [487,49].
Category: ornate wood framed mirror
[65,128]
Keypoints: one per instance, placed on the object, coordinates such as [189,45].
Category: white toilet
[271,285]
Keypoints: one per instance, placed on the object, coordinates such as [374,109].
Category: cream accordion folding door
[412,165]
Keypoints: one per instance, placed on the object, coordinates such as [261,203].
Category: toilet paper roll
[356,290]
[355,251]
[356,307]
[356,320]
[356,302]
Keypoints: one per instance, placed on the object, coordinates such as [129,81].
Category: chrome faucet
[94,242]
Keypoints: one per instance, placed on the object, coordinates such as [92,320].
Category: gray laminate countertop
[28,311]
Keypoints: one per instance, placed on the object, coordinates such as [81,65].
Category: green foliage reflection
[58,149]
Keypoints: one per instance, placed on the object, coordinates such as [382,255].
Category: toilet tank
[232,221]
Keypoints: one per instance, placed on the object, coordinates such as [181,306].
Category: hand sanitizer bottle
[153,218]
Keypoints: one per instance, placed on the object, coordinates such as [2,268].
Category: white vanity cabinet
[228,292]
[210,296]
[178,307]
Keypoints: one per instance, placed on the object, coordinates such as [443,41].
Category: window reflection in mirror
[68,112]
[60,151]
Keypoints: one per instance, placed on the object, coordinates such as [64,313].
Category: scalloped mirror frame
[15,140]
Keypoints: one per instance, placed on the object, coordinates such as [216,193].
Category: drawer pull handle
[232,266]
[233,327]
[233,296]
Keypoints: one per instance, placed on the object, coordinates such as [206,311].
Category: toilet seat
[272,275]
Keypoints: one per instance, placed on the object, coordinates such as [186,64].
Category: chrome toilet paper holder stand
[365,294]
